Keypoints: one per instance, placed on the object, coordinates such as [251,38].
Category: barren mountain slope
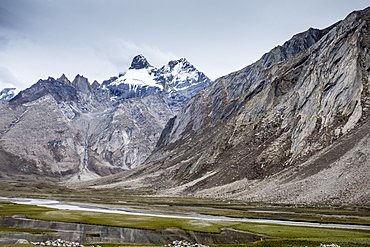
[291,127]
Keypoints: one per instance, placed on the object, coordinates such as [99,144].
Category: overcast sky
[99,38]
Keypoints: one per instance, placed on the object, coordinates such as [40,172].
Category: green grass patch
[283,231]
[314,234]
[297,243]
[10,209]
[130,221]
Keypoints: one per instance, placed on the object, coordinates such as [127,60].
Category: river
[122,209]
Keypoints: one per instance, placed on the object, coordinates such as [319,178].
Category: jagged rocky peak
[81,83]
[60,91]
[95,84]
[182,61]
[140,62]
[79,79]
[298,43]
[63,78]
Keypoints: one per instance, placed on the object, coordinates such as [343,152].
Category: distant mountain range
[78,131]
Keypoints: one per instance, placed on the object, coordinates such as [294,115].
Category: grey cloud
[12,14]
[120,52]
[99,38]
[4,41]
[5,18]
[7,79]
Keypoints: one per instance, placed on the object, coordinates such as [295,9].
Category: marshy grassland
[282,235]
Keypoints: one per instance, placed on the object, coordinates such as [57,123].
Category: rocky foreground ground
[176,243]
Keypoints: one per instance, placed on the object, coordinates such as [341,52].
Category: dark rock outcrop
[139,62]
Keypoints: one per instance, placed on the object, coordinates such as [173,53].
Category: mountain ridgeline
[78,131]
[293,127]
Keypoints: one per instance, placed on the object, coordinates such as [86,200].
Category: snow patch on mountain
[137,77]
[7,94]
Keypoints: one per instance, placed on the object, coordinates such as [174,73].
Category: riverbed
[125,209]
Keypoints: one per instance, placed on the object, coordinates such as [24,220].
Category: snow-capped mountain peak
[179,80]
[179,72]
[182,62]
[140,62]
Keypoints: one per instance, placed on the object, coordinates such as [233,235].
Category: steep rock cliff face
[78,131]
[134,129]
[275,126]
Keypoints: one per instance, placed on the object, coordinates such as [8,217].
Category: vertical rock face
[133,131]
[292,109]
[77,130]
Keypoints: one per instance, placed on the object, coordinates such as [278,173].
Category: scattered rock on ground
[59,242]
[22,241]
[182,243]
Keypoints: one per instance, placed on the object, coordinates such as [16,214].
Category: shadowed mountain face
[78,131]
[292,127]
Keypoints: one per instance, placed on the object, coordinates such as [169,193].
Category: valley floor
[180,218]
